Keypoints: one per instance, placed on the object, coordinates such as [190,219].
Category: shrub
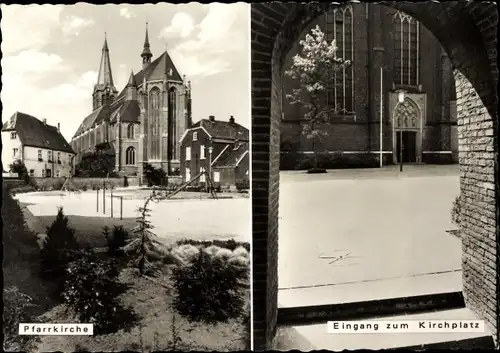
[92,290]
[59,249]
[16,307]
[96,164]
[18,167]
[208,290]
[456,210]
[230,244]
[155,176]
[116,240]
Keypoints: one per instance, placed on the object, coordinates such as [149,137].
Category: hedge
[338,160]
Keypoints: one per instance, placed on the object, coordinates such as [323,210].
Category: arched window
[130,156]
[130,131]
[154,123]
[172,123]
[340,27]
[406,50]
[98,137]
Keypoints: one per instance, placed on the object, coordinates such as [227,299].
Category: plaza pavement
[354,226]
[198,219]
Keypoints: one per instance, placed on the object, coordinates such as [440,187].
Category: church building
[144,121]
[398,93]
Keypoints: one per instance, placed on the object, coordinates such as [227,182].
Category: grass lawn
[88,230]
[154,330]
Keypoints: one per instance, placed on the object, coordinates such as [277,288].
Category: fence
[101,197]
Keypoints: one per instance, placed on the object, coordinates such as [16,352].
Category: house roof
[35,133]
[231,156]
[223,129]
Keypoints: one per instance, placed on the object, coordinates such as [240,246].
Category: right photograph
[375,176]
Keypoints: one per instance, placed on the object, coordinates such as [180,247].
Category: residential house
[41,147]
[220,148]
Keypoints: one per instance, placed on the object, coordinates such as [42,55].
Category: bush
[154,176]
[18,167]
[230,244]
[96,164]
[92,290]
[116,240]
[59,249]
[208,290]
[16,307]
[456,210]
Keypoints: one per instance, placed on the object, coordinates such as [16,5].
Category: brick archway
[467,30]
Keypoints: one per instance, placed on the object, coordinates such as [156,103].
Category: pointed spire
[105,75]
[131,80]
[146,51]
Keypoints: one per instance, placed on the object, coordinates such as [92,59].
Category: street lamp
[401,99]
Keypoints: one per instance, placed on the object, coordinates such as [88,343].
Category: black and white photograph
[375,175]
[126,177]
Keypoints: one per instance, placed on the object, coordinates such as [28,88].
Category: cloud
[125,12]
[73,25]
[28,26]
[33,62]
[222,33]
[181,25]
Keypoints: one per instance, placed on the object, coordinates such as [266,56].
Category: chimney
[231,119]
[59,127]
[211,118]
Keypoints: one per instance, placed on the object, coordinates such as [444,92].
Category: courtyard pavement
[194,218]
[350,226]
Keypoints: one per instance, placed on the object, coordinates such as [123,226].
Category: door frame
[419,100]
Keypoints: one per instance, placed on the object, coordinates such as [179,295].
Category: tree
[314,68]
[95,164]
[18,167]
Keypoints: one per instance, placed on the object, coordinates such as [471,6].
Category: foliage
[230,244]
[208,290]
[92,289]
[456,211]
[18,167]
[314,67]
[146,245]
[59,249]
[16,305]
[96,164]
[155,176]
[116,240]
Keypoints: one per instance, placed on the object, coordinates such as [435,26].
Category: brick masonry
[468,32]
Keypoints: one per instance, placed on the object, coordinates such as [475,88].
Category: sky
[51,56]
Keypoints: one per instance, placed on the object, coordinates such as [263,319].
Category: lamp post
[401,99]
[210,150]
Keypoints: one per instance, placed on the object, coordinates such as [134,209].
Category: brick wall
[477,193]
[467,31]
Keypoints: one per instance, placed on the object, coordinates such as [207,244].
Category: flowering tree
[314,67]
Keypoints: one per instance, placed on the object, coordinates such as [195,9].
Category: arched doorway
[407,126]
[467,31]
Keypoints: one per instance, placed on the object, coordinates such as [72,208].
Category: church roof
[231,156]
[35,133]
[156,71]
[129,112]
[223,129]
[96,116]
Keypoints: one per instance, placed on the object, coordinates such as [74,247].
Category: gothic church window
[130,131]
[130,156]
[154,123]
[340,27]
[172,122]
[406,50]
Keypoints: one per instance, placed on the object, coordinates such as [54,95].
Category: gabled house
[41,147]
[220,148]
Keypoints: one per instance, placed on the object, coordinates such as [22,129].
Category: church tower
[104,90]
[146,51]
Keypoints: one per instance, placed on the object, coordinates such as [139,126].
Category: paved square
[358,225]
[205,219]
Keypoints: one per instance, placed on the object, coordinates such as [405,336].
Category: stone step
[371,298]
[315,337]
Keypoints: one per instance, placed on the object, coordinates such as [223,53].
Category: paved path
[366,224]
[222,219]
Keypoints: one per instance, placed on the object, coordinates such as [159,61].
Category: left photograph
[126,183]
